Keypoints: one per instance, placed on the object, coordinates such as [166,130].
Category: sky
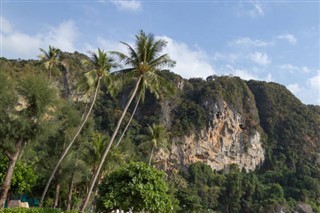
[276,41]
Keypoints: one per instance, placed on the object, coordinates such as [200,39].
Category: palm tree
[157,138]
[157,85]
[95,150]
[144,61]
[102,66]
[51,58]
[71,184]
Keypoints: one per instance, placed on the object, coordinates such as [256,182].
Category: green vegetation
[23,179]
[45,106]
[137,187]
[102,65]
[145,61]
[24,122]
[238,191]
[292,127]
[34,210]
[158,137]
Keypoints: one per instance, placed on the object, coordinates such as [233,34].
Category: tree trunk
[84,111]
[95,194]
[94,169]
[22,150]
[151,155]
[69,199]
[56,196]
[9,173]
[71,143]
[128,124]
[71,186]
[70,192]
[86,200]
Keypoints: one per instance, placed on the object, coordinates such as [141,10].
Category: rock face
[300,208]
[303,208]
[226,140]
[18,204]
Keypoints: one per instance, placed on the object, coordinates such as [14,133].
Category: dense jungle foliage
[289,177]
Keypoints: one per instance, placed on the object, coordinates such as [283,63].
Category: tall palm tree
[102,66]
[95,150]
[143,60]
[50,58]
[71,183]
[158,86]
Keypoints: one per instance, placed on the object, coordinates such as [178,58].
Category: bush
[34,210]
[135,186]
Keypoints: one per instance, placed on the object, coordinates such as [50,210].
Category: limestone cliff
[224,125]
[225,141]
[225,120]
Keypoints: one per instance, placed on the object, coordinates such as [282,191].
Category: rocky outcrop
[18,204]
[303,208]
[299,208]
[226,140]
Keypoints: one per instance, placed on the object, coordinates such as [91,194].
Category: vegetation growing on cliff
[290,173]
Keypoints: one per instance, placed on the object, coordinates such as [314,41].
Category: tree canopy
[137,187]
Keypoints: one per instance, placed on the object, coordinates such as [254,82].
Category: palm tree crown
[51,58]
[102,65]
[144,57]
[143,61]
[158,137]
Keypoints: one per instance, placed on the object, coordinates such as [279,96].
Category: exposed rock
[165,109]
[18,204]
[22,103]
[303,208]
[282,209]
[224,142]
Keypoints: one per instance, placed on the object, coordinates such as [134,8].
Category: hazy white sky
[264,40]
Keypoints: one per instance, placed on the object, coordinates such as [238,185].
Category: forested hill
[228,145]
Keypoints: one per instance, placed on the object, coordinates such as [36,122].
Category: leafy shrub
[135,186]
[33,210]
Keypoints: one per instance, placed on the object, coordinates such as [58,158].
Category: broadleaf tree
[137,187]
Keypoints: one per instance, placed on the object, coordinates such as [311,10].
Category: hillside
[233,145]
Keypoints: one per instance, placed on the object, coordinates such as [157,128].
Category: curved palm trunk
[56,196]
[151,154]
[71,143]
[85,110]
[9,173]
[69,198]
[95,193]
[85,203]
[128,124]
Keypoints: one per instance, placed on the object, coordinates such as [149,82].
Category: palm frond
[162,61]
[145,61]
